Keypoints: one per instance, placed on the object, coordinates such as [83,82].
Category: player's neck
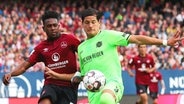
[142,55]
[93,35]
[53,38]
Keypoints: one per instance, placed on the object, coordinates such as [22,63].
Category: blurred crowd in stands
[21,28]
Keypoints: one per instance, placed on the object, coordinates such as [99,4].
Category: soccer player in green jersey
[99,51]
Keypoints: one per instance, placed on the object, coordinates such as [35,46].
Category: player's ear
[43,28]
[42,25]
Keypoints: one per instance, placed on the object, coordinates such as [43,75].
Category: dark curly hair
[50,14]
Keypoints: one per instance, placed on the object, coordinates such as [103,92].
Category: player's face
[142,50]
[91,26]
[51,28]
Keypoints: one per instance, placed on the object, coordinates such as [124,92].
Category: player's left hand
[174,41]
[50,73]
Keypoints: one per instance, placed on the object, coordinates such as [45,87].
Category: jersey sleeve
[34,57]
[118,38]
[131,61]
[81,64]
[152,61]
[160,76]
[75,42]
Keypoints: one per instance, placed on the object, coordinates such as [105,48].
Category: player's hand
[50,73]
[148,70]
[174,41]
[76,79]
[162,91]
[142,69]
[131,74]
[6,79]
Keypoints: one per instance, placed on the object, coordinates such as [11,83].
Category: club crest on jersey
[55,57]
[99,44]
[63,44]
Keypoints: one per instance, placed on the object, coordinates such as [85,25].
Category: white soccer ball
[94,80]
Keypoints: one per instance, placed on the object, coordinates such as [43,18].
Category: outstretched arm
[140,39]
[15,72]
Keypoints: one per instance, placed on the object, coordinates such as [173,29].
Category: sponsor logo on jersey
[92,56]
[58,64]
[154,79]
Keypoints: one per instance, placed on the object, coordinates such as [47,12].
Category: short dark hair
[91,12]
[139,45]
[50,14]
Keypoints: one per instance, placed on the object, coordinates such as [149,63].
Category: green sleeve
[117,38]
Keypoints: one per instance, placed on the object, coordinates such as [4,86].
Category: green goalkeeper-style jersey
[100,53]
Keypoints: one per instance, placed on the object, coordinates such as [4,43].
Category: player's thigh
[45,101]
[67,95]
[141,88]
[48,93]
[154,95]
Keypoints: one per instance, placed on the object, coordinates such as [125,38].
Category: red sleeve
[160,76]
[131,63]
[74,41]
[34,57]
[152,61]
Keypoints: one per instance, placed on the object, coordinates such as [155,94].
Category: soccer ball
[94,80]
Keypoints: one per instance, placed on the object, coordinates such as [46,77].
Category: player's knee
[45,101]
[107,98]
[155,101]
[144,96]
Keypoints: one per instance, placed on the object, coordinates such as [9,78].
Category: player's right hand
[6,79]
[162,91]
[141,69]
[131,74]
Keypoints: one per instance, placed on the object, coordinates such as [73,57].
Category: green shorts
[116,87]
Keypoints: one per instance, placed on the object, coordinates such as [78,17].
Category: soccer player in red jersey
[156,77]
[143,64]
[58,53]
